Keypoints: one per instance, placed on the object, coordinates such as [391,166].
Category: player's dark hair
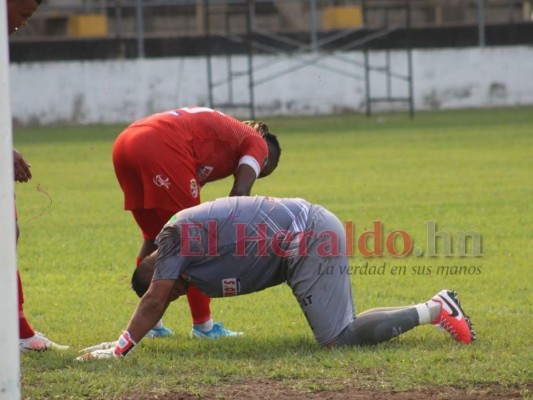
[273,141]
[258,126]
[38,2]
[142,276]
[263,130]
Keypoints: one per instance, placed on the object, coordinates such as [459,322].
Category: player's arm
[254,156]
[244,180]
[149,310]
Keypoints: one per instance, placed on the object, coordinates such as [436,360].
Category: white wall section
[121,91]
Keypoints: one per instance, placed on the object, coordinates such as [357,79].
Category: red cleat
[452,318]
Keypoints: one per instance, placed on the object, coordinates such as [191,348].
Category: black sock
[378,326]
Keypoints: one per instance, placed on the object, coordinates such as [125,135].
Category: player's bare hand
[21,168]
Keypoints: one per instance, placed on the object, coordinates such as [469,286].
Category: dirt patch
[263,390]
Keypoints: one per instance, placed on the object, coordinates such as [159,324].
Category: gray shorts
[319,280]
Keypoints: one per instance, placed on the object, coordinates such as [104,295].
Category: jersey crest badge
[195,191]
[161,181]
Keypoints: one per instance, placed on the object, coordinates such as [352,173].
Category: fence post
[313,24]
[481,22]
[140,28]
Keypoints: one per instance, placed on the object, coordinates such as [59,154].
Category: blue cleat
[217,332]
[159,332]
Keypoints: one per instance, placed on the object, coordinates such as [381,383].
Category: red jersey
[219,143]
[161,161]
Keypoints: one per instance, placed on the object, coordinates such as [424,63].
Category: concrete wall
[121,91]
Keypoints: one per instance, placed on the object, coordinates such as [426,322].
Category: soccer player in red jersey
[18,13]
[163,160]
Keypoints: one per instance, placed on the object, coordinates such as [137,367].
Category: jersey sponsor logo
[231,287]
[203,172]
[161,181]
[195,191]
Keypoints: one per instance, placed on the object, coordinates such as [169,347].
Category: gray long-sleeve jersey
[233,245]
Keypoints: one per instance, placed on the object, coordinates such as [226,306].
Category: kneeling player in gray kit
[239,245]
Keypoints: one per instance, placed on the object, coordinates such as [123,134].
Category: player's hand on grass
[101,346]
[104,350]
[98,355]
[107,350]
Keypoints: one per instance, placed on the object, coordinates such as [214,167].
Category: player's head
[19,11]
[142,276]
[274,149]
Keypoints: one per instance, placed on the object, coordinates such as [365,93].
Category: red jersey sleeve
[254,152]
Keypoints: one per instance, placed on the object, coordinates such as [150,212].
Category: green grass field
[465,170]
